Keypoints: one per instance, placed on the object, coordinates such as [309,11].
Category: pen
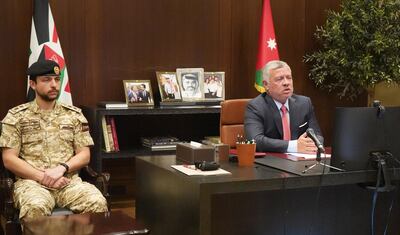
[241,140]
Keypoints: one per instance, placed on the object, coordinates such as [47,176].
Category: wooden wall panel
[225,44]
[15,23]
[94,58]
[105,42]
[245,27]
[72,43]
[290,36]
[143,37]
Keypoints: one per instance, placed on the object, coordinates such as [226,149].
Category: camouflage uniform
[45,139]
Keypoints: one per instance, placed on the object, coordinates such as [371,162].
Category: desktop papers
[191,170]
[305,156]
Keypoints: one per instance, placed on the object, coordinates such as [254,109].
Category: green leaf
[359,47]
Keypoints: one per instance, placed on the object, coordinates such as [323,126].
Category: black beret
[43,67]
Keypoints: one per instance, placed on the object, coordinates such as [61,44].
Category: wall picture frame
[138,93]
[168,86]
[214,86]
[191,81]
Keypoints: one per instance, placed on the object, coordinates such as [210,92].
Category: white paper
[191,170]
[195,144]
[308,156]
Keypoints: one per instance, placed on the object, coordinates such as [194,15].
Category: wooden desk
[80,224]
[258,200]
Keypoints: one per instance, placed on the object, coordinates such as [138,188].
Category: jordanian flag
[45,44]
[267,46]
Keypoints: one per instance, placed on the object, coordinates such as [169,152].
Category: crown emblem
[57,70]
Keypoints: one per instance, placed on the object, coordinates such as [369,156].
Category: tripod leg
[386,178]
[332,167]
[309,168]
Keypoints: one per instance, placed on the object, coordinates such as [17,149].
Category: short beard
[45,97]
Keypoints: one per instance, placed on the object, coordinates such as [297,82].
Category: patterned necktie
[285,123]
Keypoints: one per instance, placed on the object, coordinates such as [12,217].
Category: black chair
[9,215]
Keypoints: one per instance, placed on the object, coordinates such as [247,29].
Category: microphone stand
[383,183]
[318,159]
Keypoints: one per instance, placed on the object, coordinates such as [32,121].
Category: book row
[109,134]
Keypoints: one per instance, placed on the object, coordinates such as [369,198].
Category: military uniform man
[44,144]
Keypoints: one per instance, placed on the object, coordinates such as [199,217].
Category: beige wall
[388,95]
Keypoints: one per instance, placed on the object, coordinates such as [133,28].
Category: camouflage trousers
[33,199]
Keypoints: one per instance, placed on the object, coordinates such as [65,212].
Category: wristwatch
[66,167]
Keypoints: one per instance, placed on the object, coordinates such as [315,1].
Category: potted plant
[360,47]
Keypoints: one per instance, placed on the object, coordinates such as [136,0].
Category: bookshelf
[184,122]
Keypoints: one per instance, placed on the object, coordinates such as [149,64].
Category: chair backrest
[232,120]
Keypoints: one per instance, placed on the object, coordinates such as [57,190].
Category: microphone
[310,133]
[380,108]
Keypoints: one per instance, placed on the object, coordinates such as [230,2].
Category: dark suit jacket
[263,123]
[144,95]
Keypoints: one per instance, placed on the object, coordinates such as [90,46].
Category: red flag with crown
[45,45]
[267,45]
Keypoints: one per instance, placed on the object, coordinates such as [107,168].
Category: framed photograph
[214,86]
[191,81]
[168,86]
[138,92]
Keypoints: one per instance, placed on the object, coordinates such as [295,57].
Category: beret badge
[57,70]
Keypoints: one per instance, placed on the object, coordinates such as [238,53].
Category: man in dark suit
[143,94]
[278,119]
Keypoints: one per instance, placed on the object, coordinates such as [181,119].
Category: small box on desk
[190,153]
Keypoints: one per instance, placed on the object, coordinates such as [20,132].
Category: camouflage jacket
[44,138]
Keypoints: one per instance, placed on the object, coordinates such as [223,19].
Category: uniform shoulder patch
[10,119]
[70,107]
[19,108]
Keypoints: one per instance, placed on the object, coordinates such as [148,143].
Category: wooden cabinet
[184,122]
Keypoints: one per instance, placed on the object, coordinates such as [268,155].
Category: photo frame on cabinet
[138,93]
[191,81]
[168,86]
[214,86]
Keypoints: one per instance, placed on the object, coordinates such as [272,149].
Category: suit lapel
[276,114]
[293,111]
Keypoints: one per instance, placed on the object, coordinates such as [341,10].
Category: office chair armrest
[100,180]
[6,186]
